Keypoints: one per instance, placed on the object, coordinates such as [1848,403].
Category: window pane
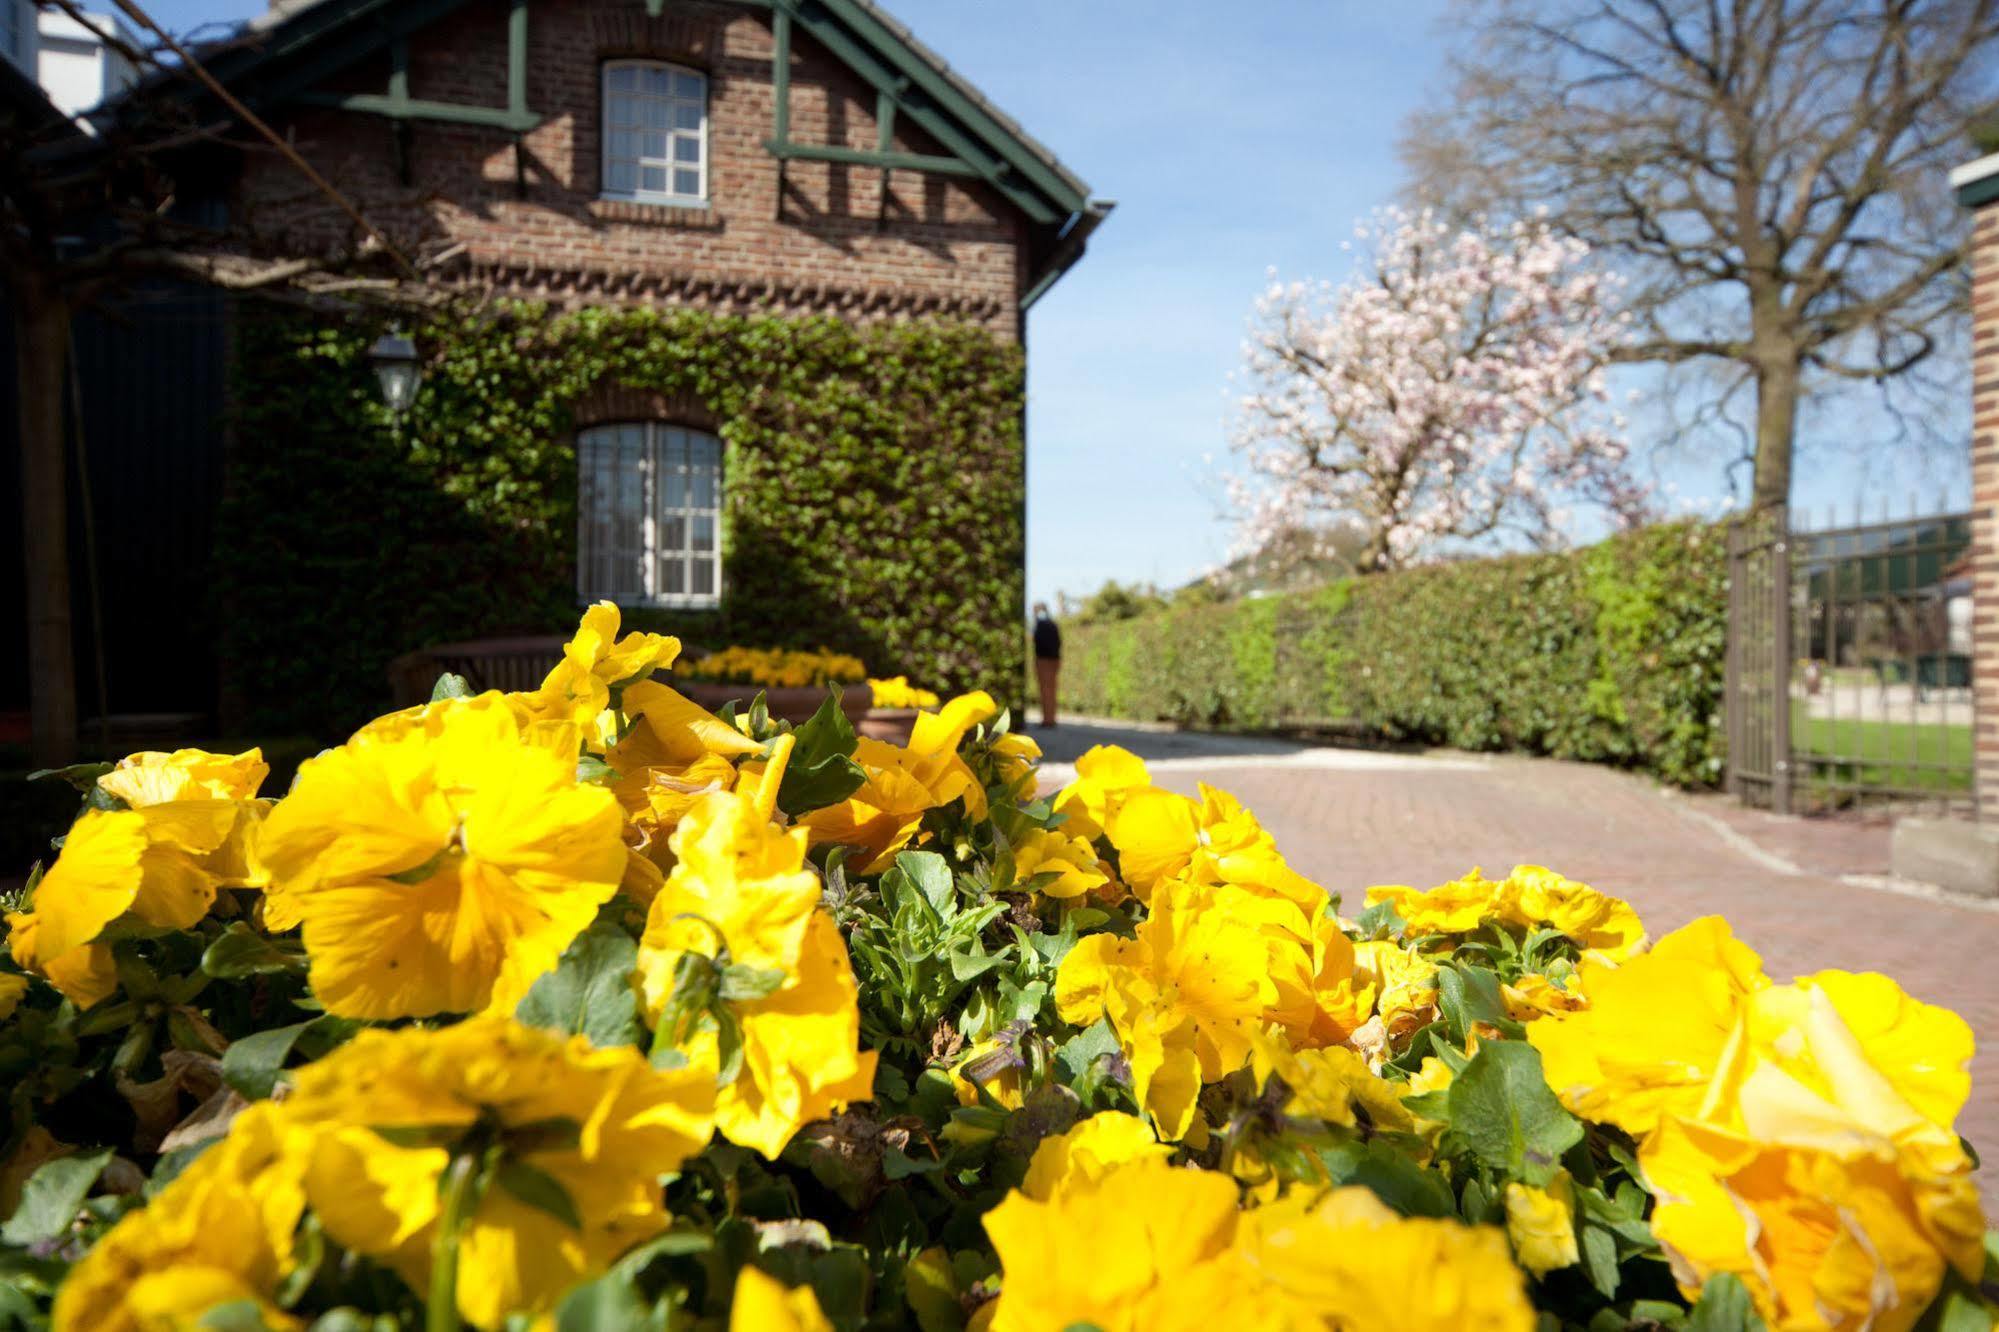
[624,143]
[704,578]
[687,183]
[689,86]
[674,495]
[704,532]
[686,148]
[686,117]
[653,114]
[652,180]
[655,81]
[704,488]
[622,178]
[673,534]
[653,145]
[674,570]
[704,450]
[621,78]
[621,110]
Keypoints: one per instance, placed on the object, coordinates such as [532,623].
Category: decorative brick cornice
[694,39]
[716,291]
[609,401]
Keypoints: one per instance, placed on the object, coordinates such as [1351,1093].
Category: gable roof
[283,53]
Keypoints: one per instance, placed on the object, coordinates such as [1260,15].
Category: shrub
[1610,654]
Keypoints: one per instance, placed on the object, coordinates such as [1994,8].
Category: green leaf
[450,686]
[52,1197]
[539,1190]
[240,951]
[1503,1113]
[1469,995]
[591,769]
[1599,1255]
[590,992]
[742,983]
[931,877]
[1076,1054]
[1724,1306]
[1395,1179]
[81,776]
[252,1065]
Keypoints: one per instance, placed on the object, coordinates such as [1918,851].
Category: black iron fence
[1849,666]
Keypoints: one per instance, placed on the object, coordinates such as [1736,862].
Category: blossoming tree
[1451,391]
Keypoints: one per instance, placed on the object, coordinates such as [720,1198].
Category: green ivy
[872,505]
[1610,654]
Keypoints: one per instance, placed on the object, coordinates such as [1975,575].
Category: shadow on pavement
[1067,742]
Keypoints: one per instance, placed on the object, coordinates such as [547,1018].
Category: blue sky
[1234,138]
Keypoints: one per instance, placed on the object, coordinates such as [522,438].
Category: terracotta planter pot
[888,725]
[793,705]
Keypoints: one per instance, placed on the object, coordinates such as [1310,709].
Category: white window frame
[644,467]
[638,99]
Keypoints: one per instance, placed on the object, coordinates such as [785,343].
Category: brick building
[1977,187]
[763,160]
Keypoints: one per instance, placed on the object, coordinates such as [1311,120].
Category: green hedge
[1610,654]
[872,502]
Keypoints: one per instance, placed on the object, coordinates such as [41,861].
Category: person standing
[1047,659]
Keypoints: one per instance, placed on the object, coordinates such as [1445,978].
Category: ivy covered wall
[873,495]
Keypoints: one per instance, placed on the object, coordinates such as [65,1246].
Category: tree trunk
[1776,428]
[41,349]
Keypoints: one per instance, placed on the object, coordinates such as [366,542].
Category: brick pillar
[1977,186]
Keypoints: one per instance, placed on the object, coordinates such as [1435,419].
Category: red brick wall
[934,246]
[1985,502]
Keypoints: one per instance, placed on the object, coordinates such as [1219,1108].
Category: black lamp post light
[395,360]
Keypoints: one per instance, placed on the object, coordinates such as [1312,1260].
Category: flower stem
[442,1312]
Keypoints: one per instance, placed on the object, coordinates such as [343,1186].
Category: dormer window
[655,133]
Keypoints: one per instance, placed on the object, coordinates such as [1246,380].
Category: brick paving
[1349,819]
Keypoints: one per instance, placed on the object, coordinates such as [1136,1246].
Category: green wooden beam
[449,113]
[857,57]
[817,152]
[517,59]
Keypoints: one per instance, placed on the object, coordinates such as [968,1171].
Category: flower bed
[587,1007]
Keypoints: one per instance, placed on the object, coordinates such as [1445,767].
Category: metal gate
[1849,664]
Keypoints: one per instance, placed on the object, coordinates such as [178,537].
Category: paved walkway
[1351,818]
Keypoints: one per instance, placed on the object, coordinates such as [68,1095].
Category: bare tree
[1771,174]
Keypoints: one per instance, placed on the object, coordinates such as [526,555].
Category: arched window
[655,133]
[649,515]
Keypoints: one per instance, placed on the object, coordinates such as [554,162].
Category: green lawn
[1882,752]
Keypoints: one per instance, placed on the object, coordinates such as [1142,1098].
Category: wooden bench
[518,663]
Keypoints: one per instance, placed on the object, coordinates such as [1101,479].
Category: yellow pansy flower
[1187,995]
[1457,907]
[1597,922]
[579,687]
[155,778]
[1081,1157]
[1405,984]
[1849,1239]
[898,692]
[740,882]
[1533,995]
[1161,835]
[1161,1246]
[977,1071]
[1346,1261]
[1105,775]
[440,862]
[600,1123]
[162,864]
[762,1303]
[220,1233]
[1323,997]
[903,784]
[1656,1028]
[1328,1084]
[674,752]
[1541,1224]
[1072,860]
[1014,757]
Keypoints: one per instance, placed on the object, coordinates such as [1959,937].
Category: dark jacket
[1047,640]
